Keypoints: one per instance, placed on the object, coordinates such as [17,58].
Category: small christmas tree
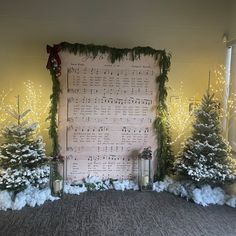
[22,156]
[206,157]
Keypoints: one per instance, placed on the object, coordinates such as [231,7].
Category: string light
[33,100]
[30,98]
[227,106]
[180,118]
[4,106]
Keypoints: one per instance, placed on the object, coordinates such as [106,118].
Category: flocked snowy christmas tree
[206,157]
[22,156]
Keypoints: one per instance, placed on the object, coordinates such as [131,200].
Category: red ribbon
[53,54]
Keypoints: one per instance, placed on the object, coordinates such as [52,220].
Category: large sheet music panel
[106,113]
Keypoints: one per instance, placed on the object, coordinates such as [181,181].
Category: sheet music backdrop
[107,107]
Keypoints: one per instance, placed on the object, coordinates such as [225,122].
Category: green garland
[163,153]
[114,54]
[53,113]
[165,158]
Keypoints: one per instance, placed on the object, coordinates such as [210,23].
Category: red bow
[53,54]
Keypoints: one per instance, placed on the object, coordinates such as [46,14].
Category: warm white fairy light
[180,118]
[31,98]
[227,106]
[4,107]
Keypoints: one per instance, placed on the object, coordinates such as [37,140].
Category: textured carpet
[120,213]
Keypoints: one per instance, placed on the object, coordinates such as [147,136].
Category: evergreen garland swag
[164,154]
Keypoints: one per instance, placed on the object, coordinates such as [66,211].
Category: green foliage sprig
[161,124]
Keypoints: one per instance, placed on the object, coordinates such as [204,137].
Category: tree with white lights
[206,157]
[22,155]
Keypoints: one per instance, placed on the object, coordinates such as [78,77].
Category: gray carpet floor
[120,213]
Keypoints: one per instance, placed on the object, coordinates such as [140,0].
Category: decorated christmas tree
[206,157]
[22,155]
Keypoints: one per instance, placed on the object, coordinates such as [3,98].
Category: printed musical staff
[109,100]
[111,120]
[111,71]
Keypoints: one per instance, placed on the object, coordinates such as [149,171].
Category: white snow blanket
[204,196]
[99,184]
[31,196]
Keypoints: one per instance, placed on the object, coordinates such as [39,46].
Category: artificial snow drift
[95,183]
[204,196]
[31,196]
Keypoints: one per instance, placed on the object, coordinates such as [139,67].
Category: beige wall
[191,29]
[232,21]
